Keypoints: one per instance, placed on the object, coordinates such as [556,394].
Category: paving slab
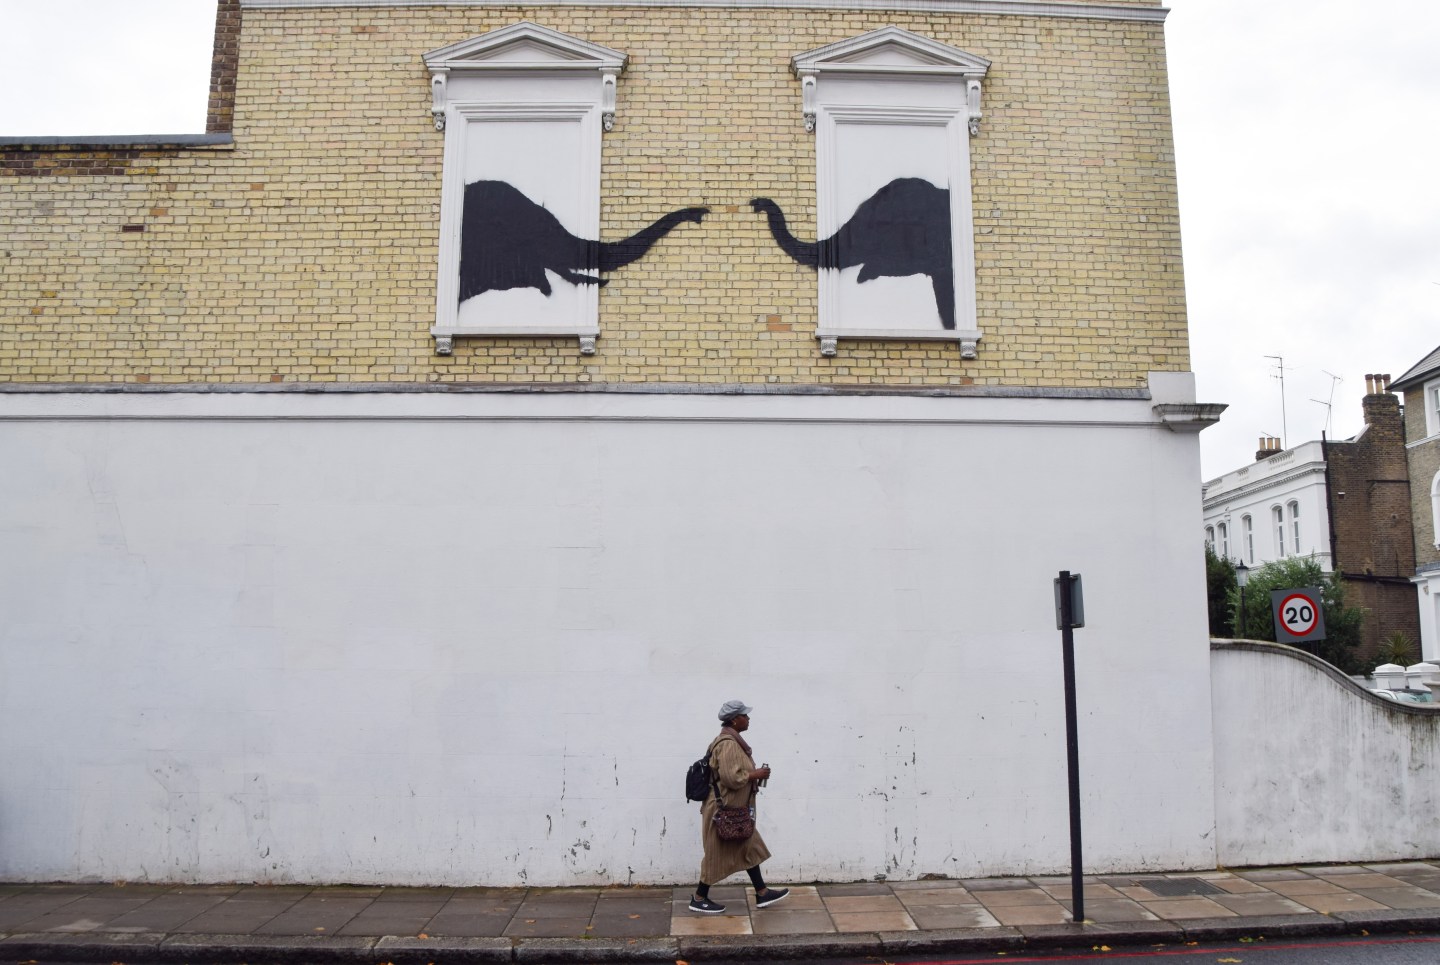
[925,884]
[694,926]
[995,884]
[392,918]
[1404,897]
[315,915]
[1273,874]
[363,925]
[930,917]
[233,918]
[1106,911]
[793,921]
[952,896]
[858,889]
[856,903]
[876,921]
[630,926]
[556,927]
[461,924]
[1345,901]
[165,914]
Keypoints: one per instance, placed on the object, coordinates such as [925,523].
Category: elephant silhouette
[902,229]
[508,241]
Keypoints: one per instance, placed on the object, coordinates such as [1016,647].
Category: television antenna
[1330,403]
[1284,422]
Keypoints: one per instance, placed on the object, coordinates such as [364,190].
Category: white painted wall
[1309,767]
[477,638]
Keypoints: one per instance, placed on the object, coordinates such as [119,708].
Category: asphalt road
[1374,950]
[1417,949]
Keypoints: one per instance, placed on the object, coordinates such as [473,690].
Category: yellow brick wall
[308,251]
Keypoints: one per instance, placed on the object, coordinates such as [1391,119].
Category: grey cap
[733,708]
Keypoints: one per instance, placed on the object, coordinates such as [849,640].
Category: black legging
[756,879]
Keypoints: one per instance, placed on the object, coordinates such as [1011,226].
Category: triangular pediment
[526,45]
[891,50]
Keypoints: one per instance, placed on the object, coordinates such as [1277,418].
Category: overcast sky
[1307,138]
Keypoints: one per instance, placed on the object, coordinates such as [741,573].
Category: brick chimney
[1382,408]
[1269,446]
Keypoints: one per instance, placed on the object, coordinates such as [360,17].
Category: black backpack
[697,780]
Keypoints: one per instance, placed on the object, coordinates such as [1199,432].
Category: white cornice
[1105,414]
[1010,8]
[1277,481]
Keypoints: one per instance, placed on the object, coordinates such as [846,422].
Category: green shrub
[1342,623]
[1219,582]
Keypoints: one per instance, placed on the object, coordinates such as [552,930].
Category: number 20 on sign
[1299,617]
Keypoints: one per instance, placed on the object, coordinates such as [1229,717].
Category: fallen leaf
[1364,932]
[321,928]
[589,927]
[681,961]
[422,935]
[529,921]
[633,917]
[1228,959]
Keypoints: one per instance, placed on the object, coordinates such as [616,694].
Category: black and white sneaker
[771,896]
[705,906]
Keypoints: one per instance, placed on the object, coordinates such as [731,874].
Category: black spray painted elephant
[902,229]
[508,241]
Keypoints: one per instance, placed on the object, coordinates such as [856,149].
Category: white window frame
[1222,532]
[523,72]
[1247,531]
[1277,516]
[1432,408]
[1435,509]
[1210,536]
[913,81]
[1294,507]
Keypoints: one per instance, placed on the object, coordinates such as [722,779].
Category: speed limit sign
[1298,616]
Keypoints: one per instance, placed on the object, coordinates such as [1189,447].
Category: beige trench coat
[731,767]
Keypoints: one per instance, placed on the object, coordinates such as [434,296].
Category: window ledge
[968,339]
[445,335]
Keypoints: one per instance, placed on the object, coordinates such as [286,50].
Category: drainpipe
[1329,502]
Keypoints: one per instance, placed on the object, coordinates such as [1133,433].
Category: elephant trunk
[805,252]
[616,254]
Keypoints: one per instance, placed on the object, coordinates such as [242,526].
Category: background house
[1346,504]
[1421,385]
[342,543]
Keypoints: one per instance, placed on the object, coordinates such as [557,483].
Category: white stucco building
[1271,509]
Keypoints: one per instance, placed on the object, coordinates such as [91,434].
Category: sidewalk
[273,924]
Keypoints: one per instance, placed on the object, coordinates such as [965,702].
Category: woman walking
[737,781]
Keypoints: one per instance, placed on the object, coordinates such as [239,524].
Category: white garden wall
[477,637]
[1311,767]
